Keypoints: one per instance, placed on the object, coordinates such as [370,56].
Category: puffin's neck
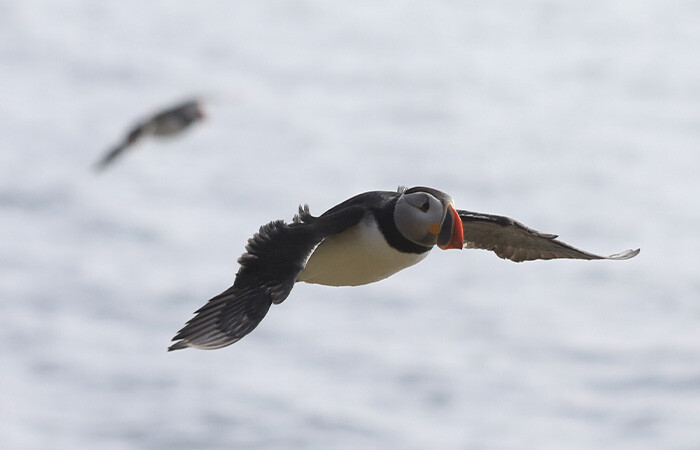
[387,225]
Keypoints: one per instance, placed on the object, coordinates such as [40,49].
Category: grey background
[577,118]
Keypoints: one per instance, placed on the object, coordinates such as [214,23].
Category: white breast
[358,255]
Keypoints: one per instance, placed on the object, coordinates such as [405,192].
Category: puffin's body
[358,255]
[168,122]
[364,239]
[368,251]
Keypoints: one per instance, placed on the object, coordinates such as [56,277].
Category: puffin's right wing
[510,239]
[274,257]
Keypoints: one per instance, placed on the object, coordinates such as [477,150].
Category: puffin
[362,240]
[165,123]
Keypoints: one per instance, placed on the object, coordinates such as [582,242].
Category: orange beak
[451,235]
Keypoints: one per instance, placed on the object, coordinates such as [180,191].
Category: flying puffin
[364,239]
[168,122]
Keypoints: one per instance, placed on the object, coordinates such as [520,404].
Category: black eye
[425,206]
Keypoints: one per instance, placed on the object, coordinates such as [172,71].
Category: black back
[381,205]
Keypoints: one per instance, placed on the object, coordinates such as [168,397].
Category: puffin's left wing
[274,257]
[136,133]
[510,239]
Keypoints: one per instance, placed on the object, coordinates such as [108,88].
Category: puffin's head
[427,217]
[194,110]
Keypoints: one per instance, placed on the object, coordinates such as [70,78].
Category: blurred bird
[168,122]
[364,239]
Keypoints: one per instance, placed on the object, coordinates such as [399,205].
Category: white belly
[358,255]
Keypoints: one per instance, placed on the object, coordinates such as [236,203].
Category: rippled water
[583,120]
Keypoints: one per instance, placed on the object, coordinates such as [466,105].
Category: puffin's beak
[201,113]
[451,235]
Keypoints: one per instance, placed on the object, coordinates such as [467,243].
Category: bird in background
[364,239]
[165,123]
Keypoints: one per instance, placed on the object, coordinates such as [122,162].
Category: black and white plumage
[168,122]
[362,240]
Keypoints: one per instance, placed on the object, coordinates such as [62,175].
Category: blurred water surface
[579,119]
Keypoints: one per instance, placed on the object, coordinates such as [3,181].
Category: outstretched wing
[510,239]
[134,135]
[274,257]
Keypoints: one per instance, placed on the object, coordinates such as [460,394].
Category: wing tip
[627,254]
[178,346]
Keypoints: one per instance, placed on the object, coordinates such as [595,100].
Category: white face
[418,217]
